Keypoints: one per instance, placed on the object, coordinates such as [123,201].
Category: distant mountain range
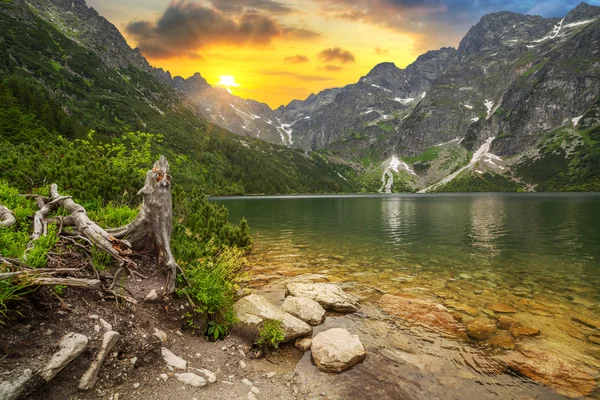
[515,108]
[518,90]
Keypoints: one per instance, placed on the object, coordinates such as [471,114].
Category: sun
[227,81]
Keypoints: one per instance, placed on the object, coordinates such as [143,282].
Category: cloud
[298,76]
[330,68]
[297,59]
[381,51]
[239,6]
[300,33]
[336,54]
[185,26]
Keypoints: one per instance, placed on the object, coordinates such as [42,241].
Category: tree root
[150,230]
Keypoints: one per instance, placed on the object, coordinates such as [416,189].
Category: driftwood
[151,230]
[7,217]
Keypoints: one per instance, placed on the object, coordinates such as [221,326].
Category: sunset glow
[280,50]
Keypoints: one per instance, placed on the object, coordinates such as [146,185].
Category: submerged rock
[431,316]
[305,309]
[504,340]
[566,377]
[330,296]
[336,350]
[592,323]
[480,328]
[524,331]
[506,322]
[254,309]
[502,308]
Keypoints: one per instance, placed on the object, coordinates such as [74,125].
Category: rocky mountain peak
[500,29]
[582,12]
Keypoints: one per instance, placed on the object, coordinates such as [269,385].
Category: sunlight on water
[537,253]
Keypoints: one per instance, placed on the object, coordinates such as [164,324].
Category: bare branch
[7,217]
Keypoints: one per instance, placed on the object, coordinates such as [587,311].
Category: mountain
[69,80]
[519,90]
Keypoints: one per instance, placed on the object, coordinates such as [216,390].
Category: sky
[275,51]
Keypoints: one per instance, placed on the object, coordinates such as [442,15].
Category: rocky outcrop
[330,296]
[336,350]
[254,309]
[431,316]
[564,376]
[305,309]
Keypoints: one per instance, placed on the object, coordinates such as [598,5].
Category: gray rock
[173,360]
[336,350]
[305,309]
[90,377]
[191,379]
[151,296]
[330,296]
[160,335]
[12,390]
[303,344]
[71,345]
[254,309]
[209,375]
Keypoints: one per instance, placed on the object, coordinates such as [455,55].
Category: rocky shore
[343,340]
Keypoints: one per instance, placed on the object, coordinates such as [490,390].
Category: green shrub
[270,334]
[211,286]
[11,290]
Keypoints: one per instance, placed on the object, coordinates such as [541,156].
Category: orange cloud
[297,59]
[336,54]
[185,27]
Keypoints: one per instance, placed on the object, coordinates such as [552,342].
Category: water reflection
[398,216]
[487,216]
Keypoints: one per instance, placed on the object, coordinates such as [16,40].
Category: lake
[536,253]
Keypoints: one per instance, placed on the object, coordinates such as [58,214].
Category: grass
[428,155]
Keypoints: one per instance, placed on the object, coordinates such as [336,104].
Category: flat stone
[305,309]
[71,345]
[524,331]
[594,339]
[173,360]
[566,377]
[336,350]
[480,328]
[13,390]
[271,374]
[303,344]
[505,322]
[328,295]
[191,379]
[431,316]
[209,375]
[501,308]
[90,377]
[254,309]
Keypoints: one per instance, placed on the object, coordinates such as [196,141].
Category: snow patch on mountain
[483,153]
[576,120]
[387,178]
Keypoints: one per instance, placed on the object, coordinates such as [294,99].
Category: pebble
[136,385]
[151,296]
[133,360]
[247,382]
[242,364]
[164,377]
[255,390]
[251,396]
[224,348]
[271,374]
[106,325]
